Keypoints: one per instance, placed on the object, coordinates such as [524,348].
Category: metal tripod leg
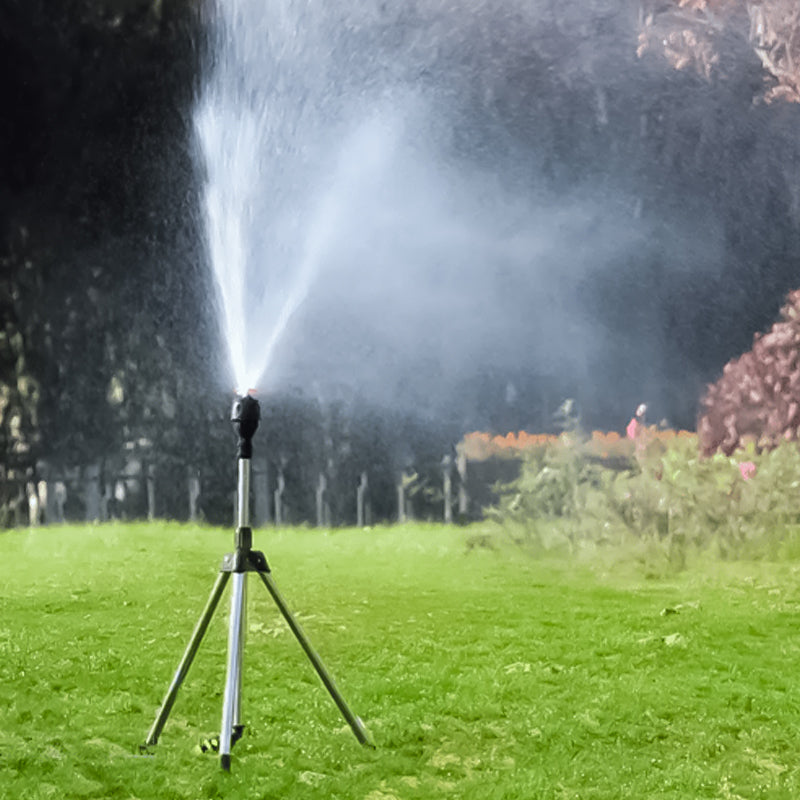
[188,657]
[233,680]
[238,725]
[356,725]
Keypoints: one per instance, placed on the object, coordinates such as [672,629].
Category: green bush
[664,497]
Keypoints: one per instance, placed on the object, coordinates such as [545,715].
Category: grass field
[481,673]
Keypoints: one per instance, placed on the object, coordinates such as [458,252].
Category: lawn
[480,672]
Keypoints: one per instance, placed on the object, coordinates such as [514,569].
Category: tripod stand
[246,415]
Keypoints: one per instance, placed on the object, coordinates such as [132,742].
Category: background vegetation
[107,334]
[655,493]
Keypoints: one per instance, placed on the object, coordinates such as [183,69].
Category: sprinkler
[245,416]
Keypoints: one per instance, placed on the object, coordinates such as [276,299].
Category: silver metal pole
[237,705]
[243,517]
[234,672]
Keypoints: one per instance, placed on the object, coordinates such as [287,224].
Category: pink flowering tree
[757,399]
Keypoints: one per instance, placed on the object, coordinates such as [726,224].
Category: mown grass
[481,673]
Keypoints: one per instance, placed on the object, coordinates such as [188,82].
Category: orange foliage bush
[480,446]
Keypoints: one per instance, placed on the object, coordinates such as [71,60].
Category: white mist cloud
[356,241]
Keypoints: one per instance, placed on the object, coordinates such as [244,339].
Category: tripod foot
[225,762]
[363,735]
[236,734]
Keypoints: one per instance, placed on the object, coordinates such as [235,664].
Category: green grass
[480,673]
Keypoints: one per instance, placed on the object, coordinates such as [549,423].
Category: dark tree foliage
[703,35]
[103,276]
[757,398]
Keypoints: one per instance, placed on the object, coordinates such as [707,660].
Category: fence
[451,491]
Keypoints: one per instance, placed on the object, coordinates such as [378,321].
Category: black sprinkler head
[245,416]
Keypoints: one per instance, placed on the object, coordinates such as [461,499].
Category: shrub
[661,493]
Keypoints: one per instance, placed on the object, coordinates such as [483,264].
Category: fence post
[279,513]
[410,479]
[401,500]
[151,492]
[322,485]
[447,480]
[33,504]
[92,493]
[463,497]
[193,486]
[54,498]
[361,492]
[104,501]
[17,505]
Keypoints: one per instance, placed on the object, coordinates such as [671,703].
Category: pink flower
[633,427]
[747,469]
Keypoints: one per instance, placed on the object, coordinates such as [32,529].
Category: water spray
[245,416]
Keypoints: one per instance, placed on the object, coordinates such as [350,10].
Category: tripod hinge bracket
[242,560]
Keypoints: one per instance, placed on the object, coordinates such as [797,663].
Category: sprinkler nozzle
[245,416]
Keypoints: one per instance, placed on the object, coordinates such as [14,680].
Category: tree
[704,34]
[758,396]
[95,213]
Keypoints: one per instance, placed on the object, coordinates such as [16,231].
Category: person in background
[637,423]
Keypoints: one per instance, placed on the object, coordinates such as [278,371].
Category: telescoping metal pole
[245,416]
[243,524]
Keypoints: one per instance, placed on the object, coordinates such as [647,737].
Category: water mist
[361,232]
